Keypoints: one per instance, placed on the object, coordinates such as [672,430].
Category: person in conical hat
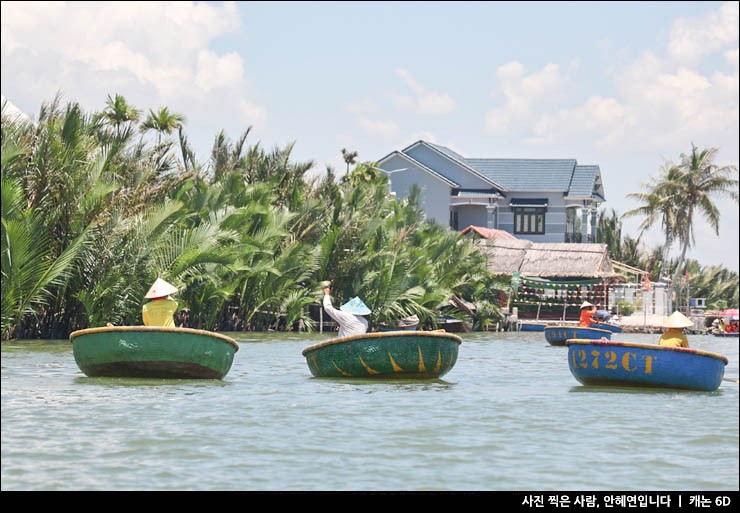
[674,335]
[349,316]
[161,309]
[587,314]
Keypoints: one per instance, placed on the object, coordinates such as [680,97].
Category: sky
[628,86]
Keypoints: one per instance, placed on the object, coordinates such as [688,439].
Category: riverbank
[638,323]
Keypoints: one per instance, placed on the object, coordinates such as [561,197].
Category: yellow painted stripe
[422,369]
[367,367]
[439,361]
[396,367]
[340,370]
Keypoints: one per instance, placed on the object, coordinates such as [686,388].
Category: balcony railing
[578,237]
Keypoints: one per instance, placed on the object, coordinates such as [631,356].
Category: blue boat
[607,326]
[611,363]
[558,334]
[531,326]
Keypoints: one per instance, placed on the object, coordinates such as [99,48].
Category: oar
[731,380]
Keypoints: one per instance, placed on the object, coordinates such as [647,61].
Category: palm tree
[121,115]
[610,232]
[682,192]
[163,122]
[350,157]
[29,265]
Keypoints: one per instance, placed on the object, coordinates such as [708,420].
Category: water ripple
[509,416]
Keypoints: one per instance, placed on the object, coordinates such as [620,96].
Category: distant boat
[153,352]
[406,324]
[393,354]
[558,334]
[451,324]
[386,328]
[604,362]
[532,326]
[607,326]
[725,334]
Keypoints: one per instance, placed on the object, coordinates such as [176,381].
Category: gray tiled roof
[456,157]
[449,152]
[419,165]
[584,181]
[527,174]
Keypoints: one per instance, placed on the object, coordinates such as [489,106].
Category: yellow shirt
[159,312]
[673,337]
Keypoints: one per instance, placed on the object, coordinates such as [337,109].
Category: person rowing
[349,317]
[161,309]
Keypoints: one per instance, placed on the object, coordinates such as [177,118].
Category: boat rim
[382,334]
[160,329]
[561,326]
[688,350]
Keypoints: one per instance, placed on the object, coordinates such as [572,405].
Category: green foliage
[92,215]
[681,193]
[625,308]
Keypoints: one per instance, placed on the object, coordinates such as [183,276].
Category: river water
[509,416]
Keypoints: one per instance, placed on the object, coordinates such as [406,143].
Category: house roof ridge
[522,158]
[422,166]
[464,164]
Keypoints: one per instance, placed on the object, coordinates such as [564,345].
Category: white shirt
[349,324]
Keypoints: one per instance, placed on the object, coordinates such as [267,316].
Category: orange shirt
[586,318]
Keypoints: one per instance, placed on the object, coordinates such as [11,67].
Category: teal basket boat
[153,352]
[385,355]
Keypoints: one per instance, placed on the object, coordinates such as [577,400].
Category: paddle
[731,380]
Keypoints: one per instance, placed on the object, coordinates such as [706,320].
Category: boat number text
[611,360]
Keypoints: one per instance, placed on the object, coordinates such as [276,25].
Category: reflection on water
[603,389]
[508,416]
[150,382]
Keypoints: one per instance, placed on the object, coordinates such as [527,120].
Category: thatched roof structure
[547,260]
[505,256]
[487,233]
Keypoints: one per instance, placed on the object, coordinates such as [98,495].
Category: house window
[454,221]
[529,220]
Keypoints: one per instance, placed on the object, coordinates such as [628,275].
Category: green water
[508,416]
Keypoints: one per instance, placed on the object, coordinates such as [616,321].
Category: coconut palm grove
[97,205]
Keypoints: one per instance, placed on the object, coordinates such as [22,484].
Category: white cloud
[153,53]
[661,103]
[524,96]
[732,58]
[253,113]
[434,104]
[385,129]
[410,81]
[423,101]
[691,38]
[214,71]
[363,106]
[599,117]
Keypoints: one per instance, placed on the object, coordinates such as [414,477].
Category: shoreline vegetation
[97,205]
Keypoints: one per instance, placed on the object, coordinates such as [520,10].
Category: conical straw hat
[355,306]
[677,320]
[160,289]
[586,304]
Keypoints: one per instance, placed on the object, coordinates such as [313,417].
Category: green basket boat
[153,352]
[390,354]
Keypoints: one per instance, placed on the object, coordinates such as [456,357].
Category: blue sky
[625,85]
